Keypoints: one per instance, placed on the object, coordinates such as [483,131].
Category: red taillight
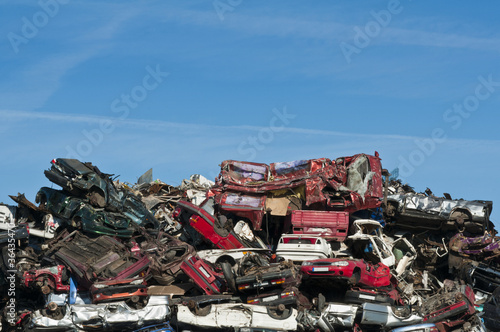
[53,161]
[287,294]
[177,212]
[135,248]
[278,281]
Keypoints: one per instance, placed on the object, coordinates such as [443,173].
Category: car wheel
[459,219]
[279,311]
[197,310]
[229,276]
[356,276]
[96,197]
[76,222]
[42,200]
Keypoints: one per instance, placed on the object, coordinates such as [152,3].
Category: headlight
[341,263]
[306,263]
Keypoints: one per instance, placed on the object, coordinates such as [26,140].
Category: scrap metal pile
[308,245]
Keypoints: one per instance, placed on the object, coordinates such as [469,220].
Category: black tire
[321,302]
[356,276]
[202,311]
[96,197]
[229,276]
[279,313]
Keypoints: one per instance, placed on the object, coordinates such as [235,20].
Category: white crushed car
[299,248]
[369,240]
[239,315]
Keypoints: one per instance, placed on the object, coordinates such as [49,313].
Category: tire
[356,276]
[229,276]
[96,197]
[202,311]
[279,313]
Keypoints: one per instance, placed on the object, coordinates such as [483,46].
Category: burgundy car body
[300,168]
[98,259]
[242,172]
[204,275]
[356,271]
[450,309]
[205,224]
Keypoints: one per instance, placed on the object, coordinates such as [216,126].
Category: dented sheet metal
[238,315]
[418,211]
[336,314]
[116,315]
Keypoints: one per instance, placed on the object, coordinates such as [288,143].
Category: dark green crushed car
[77,213]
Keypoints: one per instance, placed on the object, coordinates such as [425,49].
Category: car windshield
[208,206]
[299,241]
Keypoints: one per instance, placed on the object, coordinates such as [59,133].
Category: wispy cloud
[33,85]
[334,30]
[158,125]
[435,39]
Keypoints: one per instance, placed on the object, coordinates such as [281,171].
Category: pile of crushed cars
[308,245]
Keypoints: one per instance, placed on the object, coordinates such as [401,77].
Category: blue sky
[181,86]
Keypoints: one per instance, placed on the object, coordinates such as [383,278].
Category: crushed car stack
[308,245]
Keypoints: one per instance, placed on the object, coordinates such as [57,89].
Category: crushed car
[299,248]
[354,271]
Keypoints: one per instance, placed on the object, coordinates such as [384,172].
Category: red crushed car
[361,174]
[242,172]
[245,206]
[451,308]
[204,275]
[355,271]
[202,219]
[348,184]
[330,225]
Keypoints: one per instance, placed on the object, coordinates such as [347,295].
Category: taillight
[205,272]
[287,294]
[244,286]
[256,301]
[278,281]
[135,248]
